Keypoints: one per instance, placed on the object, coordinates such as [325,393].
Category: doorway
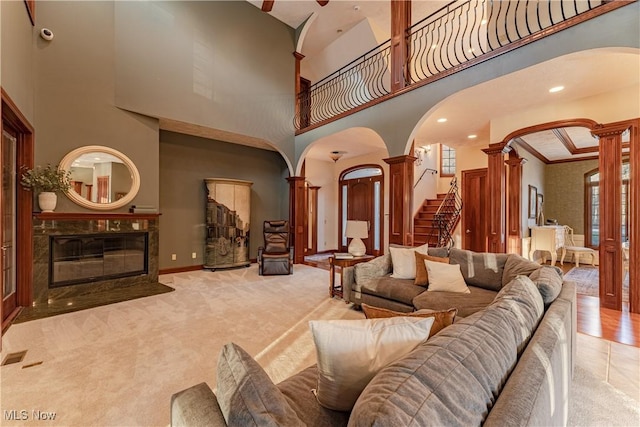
[474,210]
[361,199]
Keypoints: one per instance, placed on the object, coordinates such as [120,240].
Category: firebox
[87,258]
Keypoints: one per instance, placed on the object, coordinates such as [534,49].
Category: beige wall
[17,65]
[564,198]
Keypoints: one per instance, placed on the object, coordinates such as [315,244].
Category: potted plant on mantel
[49,181]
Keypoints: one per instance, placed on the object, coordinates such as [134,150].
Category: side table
[342,263]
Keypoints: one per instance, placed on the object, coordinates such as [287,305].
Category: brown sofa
[509,363]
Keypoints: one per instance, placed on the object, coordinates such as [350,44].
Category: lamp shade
[357,229]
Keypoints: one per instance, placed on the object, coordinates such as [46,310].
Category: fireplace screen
[89,258]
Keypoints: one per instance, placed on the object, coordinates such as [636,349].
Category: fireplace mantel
[92,215]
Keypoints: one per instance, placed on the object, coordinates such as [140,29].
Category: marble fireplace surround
[47,224]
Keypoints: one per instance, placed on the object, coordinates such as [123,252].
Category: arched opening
[361,195]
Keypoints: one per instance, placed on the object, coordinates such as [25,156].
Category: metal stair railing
[447,216]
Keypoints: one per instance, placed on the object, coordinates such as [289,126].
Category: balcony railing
[460,34]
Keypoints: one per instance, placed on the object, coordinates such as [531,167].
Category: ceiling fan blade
[322,2]
[267,5]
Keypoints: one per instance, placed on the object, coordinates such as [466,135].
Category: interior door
[360,206]
[8,215]
[474,210]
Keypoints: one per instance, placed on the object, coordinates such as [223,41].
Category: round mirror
[101,177]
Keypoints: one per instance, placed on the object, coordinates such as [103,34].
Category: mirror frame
[65,165]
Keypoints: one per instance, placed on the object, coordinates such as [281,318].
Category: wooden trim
[92,216]
[401,199]
[31,10]
[181,269]
[634,217]
[24,199]
[580,122]
[514,200]
[9,320]
[576,20]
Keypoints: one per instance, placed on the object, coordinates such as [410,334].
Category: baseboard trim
[180,269]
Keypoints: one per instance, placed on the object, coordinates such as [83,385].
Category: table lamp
[356,231]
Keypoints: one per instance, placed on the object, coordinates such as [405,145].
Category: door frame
[12,115]
[381,207]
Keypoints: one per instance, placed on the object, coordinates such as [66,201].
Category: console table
[547,238]
[342,263]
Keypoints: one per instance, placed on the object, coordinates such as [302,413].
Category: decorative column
[401,199]
[496,183]
[514,202]
[610,164]
[400,22]
[297,213]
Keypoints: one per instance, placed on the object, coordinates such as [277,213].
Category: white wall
[532,174]
[426,188]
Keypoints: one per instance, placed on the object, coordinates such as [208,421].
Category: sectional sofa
[507,363]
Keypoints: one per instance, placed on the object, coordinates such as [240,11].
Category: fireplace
[87,258]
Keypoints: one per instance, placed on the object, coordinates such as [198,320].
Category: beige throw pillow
[445,277]
[351,352]
[422,277]
[404,262]
[442,319]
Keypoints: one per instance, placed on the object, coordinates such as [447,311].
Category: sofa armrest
[353,278]
[196,406]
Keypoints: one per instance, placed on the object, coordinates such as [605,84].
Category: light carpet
[118,365]
[587,280]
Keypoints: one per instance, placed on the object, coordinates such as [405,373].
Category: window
[592,206]
[447,161]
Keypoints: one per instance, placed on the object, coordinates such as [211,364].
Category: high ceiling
[471,111]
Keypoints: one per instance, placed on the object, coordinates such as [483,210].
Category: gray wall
[184,163]
[564,192]
[17,38]
[221,64]
[75,89]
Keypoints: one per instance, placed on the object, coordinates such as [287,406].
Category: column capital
[298,55]
[405,158]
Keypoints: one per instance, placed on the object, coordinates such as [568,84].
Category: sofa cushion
[441,319]
[549,283]
[365,272]
[466,304]
[438,252]
[403,261]
[422,276]
[297,389]
[481,269]
[455,377]
[351,352]
[246,394]
[517,265]
[402,290]
[446,278]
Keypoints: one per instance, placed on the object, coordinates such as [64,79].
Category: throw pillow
[404,262]
[441,320]
[246,394]
[422,277]
[549,283]
[351,352]
[445,277]
[517,265]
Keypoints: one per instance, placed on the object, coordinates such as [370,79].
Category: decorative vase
[47,201]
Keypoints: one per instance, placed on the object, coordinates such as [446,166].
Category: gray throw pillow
[549,283]
[481,269]
[516,266]
[246,394]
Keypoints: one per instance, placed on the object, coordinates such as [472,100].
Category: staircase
[437,218]
[425,227]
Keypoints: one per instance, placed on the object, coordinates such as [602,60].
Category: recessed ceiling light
[472,136]
[442,120]
[556,89]
[483,22]
[433,46]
